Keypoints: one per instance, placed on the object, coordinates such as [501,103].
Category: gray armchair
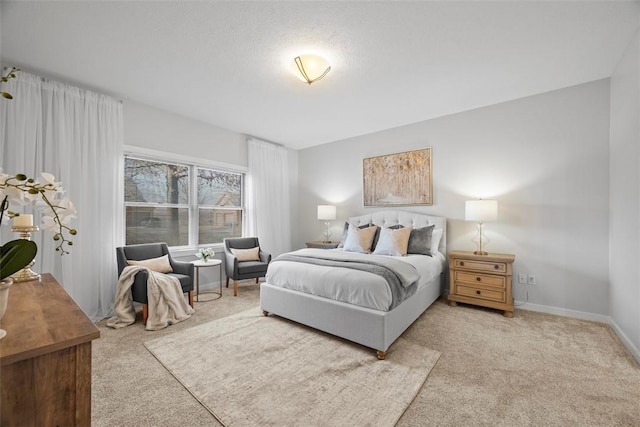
[241,270]
[183,271]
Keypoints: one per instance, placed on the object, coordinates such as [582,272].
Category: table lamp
[481,211]
[326,213]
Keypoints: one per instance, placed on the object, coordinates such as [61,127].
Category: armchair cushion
[252,254]
[250,267]
[160,264]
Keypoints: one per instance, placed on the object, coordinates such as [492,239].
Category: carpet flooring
[279,373]
[532,370]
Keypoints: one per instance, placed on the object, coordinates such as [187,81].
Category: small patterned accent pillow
[360,239]
[160,264]
[252,254]
[393,241]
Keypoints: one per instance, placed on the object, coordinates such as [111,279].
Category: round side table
[201,264]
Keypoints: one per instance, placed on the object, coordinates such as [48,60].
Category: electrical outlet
[532,279]
[522,278]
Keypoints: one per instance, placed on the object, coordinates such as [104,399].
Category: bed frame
[371,328]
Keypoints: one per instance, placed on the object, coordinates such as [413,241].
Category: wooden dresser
[45,359]
[483,280]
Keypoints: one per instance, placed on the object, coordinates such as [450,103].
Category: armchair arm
[265,257]
[230,264]
[139,287]
[183,267]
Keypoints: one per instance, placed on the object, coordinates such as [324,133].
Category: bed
[373,326]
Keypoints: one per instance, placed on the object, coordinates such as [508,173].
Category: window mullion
[193,208]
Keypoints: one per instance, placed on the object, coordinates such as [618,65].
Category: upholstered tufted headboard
[407,219]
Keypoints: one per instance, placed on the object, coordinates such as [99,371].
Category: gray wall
[545,159]
[625,198]
[148,127]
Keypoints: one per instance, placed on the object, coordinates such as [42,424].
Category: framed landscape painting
[398,179]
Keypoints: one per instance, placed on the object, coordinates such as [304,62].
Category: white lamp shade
[481,210]
[326,212]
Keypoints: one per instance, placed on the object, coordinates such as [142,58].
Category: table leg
[220,267]
[197,284]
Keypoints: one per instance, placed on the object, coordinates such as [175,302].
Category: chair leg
[257,279]
[227,281]
[191,298]
[145,313]
[235,288]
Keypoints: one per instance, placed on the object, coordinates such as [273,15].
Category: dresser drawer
[480,293]
[479,279]
[489,267]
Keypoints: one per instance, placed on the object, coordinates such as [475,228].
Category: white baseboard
[635,352]
[563,312]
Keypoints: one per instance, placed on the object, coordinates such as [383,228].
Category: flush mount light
[311,68]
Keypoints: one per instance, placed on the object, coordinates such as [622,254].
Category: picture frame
[399,179]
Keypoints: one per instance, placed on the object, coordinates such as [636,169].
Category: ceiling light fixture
[311,68]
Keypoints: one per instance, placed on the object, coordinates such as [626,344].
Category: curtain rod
[264,140]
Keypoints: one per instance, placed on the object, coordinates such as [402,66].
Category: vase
[5,284]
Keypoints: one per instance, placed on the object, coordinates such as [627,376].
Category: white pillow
[252,254]
[160,264]
[393,242]
[435,240]
[360,239]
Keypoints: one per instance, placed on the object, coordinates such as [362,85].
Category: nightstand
[483,280]
[320,244]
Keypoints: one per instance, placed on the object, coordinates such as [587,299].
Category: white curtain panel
[77,136]
[268,207]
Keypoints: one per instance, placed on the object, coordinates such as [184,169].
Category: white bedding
[351,286]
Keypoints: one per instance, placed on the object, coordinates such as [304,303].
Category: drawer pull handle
[478,279]
[461,263]
[478,292]
[497,267]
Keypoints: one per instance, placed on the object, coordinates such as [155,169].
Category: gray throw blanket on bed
[402,277]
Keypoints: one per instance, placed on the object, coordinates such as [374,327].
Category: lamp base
[26,274]
[481,253]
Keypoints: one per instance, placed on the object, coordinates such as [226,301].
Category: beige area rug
[248,369]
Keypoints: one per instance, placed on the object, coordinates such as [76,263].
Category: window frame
[193,206]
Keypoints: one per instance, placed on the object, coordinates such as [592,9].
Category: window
[161,204]
[219,205]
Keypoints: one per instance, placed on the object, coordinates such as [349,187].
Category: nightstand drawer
[480,279]
[480,293]
[489,267]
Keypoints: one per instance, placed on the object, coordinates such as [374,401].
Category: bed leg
[265,313]
[381,354]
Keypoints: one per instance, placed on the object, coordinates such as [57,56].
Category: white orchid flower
[68,206]
[58,212]
[15,195]
[49,180]
[49,223]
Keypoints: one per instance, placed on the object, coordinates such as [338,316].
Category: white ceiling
[393,63]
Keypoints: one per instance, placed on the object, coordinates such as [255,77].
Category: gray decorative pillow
[420,240]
